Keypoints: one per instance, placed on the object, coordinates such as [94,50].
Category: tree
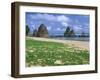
[66,33]
[35,32]
[27,29]
[42,31]
[69,32]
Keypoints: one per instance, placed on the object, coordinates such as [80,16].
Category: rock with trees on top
[42,31]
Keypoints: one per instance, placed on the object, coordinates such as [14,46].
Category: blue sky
[57,23]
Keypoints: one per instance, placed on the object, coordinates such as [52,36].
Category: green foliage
[27,29]
[42,53]
[69,32]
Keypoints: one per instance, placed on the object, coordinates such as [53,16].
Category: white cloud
[64,24]
[49,28]
[60,29]
[36,16]
[49,17]
[78,28]
[62,18]
[32,26]
[31,22]
[32,16]
[39,16]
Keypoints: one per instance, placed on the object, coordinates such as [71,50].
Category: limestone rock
[42,31]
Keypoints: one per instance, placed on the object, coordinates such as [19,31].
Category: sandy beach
[78,44]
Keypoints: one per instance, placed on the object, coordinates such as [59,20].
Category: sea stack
[42,31]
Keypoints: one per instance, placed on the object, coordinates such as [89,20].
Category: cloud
[49,28]
[33,26]
[31,22]
[64,24]
[39,16]
[50,17]
[36,16]
[78,28]
[77,21]
[31,16]
[62,18]
[59,29]
[45,16]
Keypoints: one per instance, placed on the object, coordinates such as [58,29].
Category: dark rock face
[42,31]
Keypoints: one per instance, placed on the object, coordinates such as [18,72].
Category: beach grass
[43,53]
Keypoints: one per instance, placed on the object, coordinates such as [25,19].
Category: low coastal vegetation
[42,53]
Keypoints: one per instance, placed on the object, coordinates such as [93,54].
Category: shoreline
[74,43]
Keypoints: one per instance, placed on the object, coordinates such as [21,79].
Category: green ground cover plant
[42,53]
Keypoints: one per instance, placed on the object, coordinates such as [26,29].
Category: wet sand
[78,44]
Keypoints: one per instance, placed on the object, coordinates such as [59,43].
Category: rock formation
[42,31]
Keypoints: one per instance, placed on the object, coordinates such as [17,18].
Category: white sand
[79,44]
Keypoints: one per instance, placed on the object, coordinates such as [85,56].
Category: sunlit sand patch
[78,44]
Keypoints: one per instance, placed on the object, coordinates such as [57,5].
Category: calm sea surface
[72,38]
